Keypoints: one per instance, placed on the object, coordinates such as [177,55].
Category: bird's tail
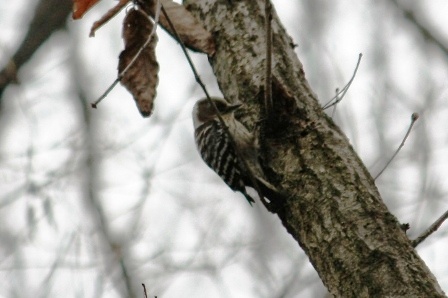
[248,198]
[267,191]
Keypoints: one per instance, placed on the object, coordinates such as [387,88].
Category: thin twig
[221,120]
[144,290]
[414,118]
[184,49]
[334,110]
[268,105]
[340,95]
[148,40]
[108,90]
[434,227]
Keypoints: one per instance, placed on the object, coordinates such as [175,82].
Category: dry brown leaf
[191,32]
[141,77]
[80,7]
[109,15]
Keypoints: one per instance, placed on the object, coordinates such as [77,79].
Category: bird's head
[204,111]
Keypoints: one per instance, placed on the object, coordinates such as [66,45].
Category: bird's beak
[234,107]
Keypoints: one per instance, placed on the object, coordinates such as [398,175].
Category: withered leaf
[190,31]
[80,7]
[141,77]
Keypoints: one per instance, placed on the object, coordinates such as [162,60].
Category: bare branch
[184,49]
[414,118]
[341,93]
[40,29]
[434,227]
[144,290]
[108,90]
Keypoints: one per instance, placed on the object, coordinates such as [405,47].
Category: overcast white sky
[397,77]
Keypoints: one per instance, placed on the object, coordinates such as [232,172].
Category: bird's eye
[221,106]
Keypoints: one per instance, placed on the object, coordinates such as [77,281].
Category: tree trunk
[334,210]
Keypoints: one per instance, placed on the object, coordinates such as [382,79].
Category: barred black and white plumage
[218,152]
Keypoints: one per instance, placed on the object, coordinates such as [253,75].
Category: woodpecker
[219,153]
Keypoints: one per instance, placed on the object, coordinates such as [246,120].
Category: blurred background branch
[95,203]
[49,16]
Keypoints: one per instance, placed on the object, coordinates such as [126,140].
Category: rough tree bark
[334,210]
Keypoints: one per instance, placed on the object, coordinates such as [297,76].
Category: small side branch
[184,49]
[341,93]
[108,90]
[144,291]
[414,118]
[434,227]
